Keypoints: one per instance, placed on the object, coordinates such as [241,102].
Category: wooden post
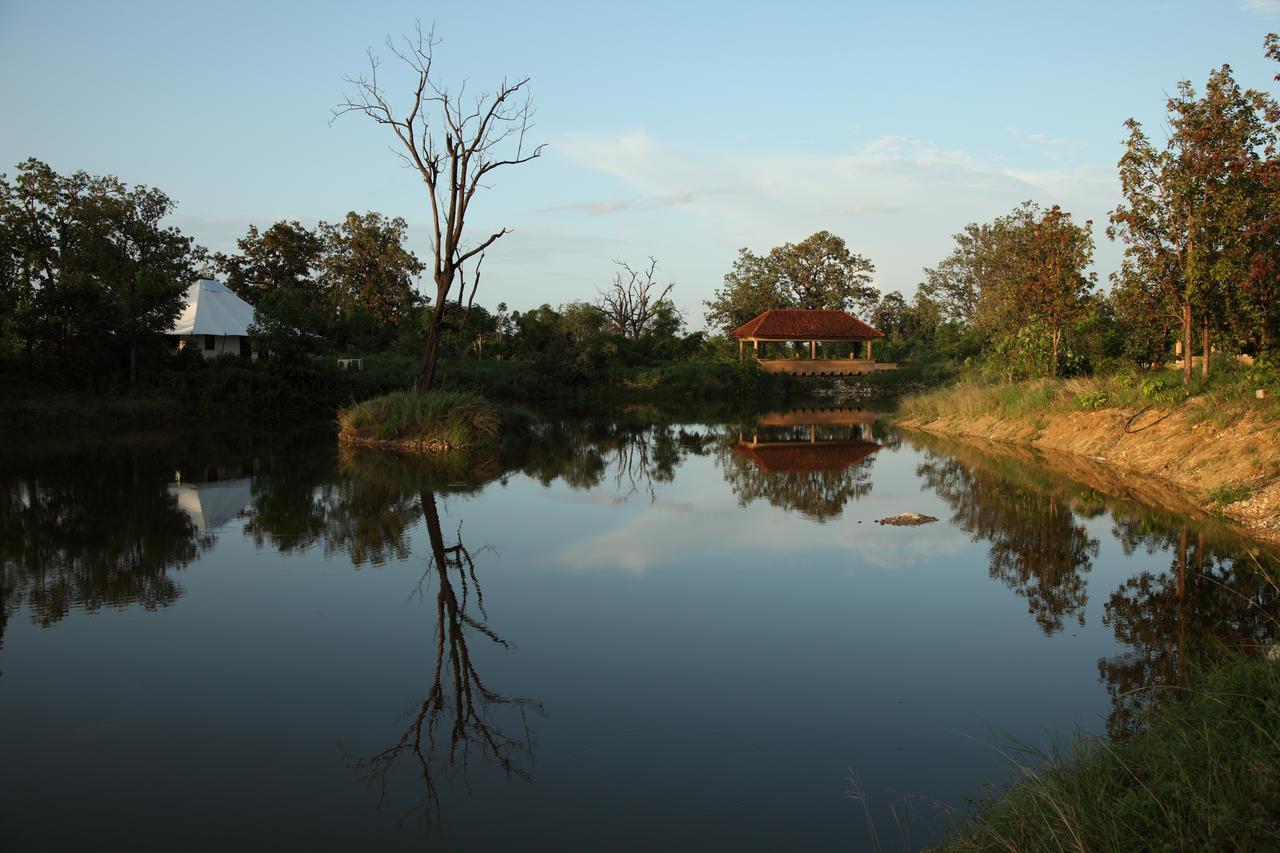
[869,358]
[740,345]
[813,350]
[756,344]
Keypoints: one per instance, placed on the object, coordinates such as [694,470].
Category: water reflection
[91,531]
[1211,597]
[814,461]
[112,528]
[1217,592]
[1037,547]
[460,719]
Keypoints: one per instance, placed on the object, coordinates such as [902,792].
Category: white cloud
[1266,8]
[932,191]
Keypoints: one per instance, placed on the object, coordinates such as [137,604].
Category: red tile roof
[793,324]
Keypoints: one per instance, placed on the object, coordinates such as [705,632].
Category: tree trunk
[1056,336]
[1186,343]
[1204,332]
[427,375]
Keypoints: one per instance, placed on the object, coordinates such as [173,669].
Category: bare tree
[453,142]
[630,304]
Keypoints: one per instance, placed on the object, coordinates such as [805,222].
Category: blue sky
[679,130]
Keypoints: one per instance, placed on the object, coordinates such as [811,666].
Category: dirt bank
[1231,470]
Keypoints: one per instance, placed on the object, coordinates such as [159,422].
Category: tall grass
[451,419]
[1203,775]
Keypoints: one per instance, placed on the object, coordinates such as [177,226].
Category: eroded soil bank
[1232,470]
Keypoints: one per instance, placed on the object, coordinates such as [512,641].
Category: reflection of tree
[1037,548]
[814,470]
[94,531]
[458,706]
[636,455]
[1211,597]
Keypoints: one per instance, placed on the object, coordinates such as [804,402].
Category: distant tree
[455,144]
[1190,206]
[287,254]
[88,268]
[818,272]
[1020,279]
[365,267]
[890,315]
[143,266]
[634,300]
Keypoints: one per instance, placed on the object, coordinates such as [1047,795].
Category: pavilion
[788,325]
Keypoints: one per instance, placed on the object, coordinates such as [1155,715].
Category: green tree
[1020,279]
[365,267]
[89,270]
[816,273]
[1190,206]
[287,254]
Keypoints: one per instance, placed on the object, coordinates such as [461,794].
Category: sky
[678,131]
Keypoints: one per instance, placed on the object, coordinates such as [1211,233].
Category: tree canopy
[818,272]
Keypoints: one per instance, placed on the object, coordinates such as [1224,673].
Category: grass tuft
[445,419]
[1204,774]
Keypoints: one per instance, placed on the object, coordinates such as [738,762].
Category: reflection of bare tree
[1212,596]
[459,707]
[1037,548]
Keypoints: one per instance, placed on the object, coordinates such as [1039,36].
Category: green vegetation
[1202,774]
[1226,394]
[444,420]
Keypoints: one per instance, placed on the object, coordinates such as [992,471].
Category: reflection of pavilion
[805,440]
[211,505]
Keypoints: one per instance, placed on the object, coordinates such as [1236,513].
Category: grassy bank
[1229,392]
[437,420]
[1203,774]
[1215,440]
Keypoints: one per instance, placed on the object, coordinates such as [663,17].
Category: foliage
[91,276]
[818,272]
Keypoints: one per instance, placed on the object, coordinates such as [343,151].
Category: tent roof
[212,309]
[793,324]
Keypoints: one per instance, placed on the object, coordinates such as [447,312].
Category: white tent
[215,319]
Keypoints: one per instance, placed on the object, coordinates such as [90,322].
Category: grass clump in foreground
[442,420]
[1204,774]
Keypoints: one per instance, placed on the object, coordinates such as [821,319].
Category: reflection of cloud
[677,529]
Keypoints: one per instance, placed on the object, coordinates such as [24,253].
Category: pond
[633,633]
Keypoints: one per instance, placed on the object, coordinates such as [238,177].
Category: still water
[632,634]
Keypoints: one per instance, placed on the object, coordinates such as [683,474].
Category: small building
[789,325]
[215,320]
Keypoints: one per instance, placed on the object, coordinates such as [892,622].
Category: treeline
[92,278]
[1200,225]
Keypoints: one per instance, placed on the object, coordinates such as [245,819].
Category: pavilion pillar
[813,350]
[756,344]
[869,351]
[740,346]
